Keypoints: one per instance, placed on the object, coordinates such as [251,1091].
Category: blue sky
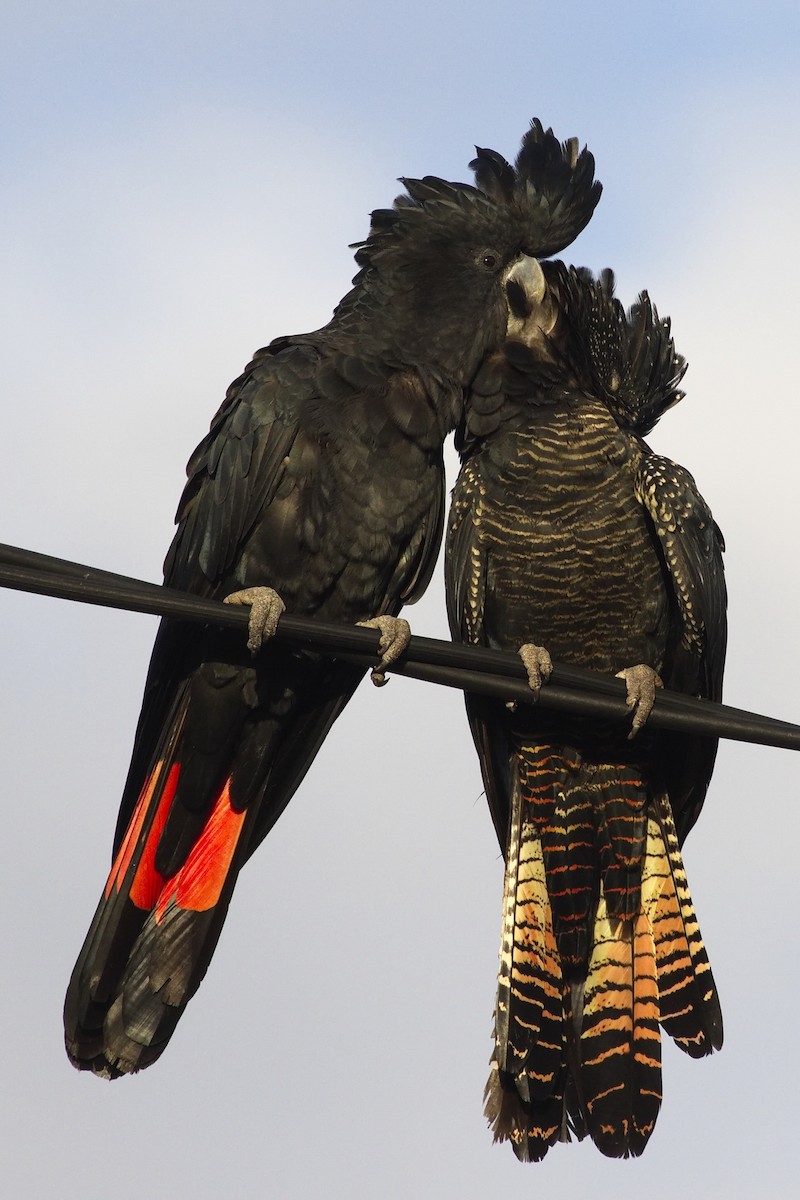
[178,185]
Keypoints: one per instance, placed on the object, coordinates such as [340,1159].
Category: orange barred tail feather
[153,935]
[562,819]
[523,1100]
[577,1044]
[620,1040]
[688,1002]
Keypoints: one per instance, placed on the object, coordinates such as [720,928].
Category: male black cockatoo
[321,478]
[568,535]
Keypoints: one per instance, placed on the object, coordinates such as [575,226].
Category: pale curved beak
[525,288]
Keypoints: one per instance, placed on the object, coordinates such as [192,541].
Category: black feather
[322,477]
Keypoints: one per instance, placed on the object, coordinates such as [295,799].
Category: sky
[179,184]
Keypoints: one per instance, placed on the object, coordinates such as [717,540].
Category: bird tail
[525,1092]
[154,930]
[600,946]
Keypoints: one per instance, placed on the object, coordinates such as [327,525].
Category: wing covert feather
[239,467]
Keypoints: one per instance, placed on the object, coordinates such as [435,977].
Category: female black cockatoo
[569,537]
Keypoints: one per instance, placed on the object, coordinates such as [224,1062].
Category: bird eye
[489,259]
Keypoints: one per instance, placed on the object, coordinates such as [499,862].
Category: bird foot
[266,608]
[641,682]
[395,636]
[538,664]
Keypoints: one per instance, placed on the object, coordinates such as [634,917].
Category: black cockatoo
[568,535]
[321,478]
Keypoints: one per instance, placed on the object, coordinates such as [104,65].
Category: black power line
[470,668]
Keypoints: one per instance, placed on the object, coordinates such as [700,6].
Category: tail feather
[531,1128]
[523,1100]
[153,935]
[619,799]
[529,1015]
[577,1041]
[162,974]
[620,1041]
[129,892]
[561,812]
[688,1001]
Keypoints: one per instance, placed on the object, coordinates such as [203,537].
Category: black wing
[255,458]
[692,545]
[466,577]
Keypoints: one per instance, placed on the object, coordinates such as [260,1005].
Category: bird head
[439,268]
[568,329]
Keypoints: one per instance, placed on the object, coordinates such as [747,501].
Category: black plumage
[568,532]
[321,477]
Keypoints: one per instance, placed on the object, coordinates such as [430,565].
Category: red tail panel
[199,882]
[147,882]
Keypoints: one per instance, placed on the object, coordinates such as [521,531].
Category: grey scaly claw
[538,664]
[395,635]
[266,608]
[641,683]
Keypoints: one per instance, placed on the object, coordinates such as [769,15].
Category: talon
[538,664]
[395,635]
[266,608]
[641,683]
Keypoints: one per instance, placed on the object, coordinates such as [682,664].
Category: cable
[470,668]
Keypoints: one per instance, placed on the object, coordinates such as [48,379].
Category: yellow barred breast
[570,558]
